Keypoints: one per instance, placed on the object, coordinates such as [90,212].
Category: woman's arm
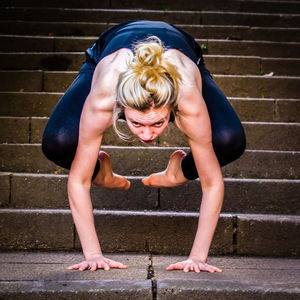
[95,119]
[195,123]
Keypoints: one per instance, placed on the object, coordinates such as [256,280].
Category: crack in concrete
[30,131]
[10,190]
[151,276]
[234,235]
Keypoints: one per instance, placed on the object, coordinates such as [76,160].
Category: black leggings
[61,134]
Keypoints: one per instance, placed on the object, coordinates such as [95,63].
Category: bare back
[105,79]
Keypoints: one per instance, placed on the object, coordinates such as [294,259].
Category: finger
[74,267]
[116,264]
[177,266]
[215,269]
[196,269]
[83,266]
[93,266]
[187,268]
[106,267]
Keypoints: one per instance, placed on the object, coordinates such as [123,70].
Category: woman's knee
[229,144]
[59,147]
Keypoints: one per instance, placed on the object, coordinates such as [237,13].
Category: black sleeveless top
[126,35]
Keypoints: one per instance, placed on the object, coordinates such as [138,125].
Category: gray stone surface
[244,6]
[288,111]
[72,44]
[27,104]
[258,86]
[87,290]
[257,48]
[265,164]
[231,85]
[27,193]
[14,130]
[52,28]
[198,31]
[42,61]
[268,164]
[58,81]
[53,266]
[27,159]
[241,195]
[229,64]
[179,17]
[72,61]
[254,109]
[35,229]
[278,66]
[44,275]
[4,189]
[268,235]
[272,136]
[158,232]
[18,43]
[24,81]
[248,109]
[39,191]
[242,278]
[260,135]
[37,129]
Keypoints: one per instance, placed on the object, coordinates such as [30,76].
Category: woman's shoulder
[106,75]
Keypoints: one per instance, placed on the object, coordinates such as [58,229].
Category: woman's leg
[60,137]
[228,136]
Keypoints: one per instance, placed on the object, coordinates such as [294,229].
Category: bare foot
[106,178]
[170,177]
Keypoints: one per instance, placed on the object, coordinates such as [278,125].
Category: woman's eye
[135,124]
[158,124]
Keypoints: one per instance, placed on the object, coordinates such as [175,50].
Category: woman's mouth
[146,141]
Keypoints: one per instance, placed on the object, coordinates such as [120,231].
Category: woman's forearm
[210,208]
[82,212]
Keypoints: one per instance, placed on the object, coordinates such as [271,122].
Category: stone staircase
[252,48]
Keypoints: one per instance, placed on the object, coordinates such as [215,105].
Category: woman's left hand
[193,264]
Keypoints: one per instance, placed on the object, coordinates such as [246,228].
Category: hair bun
[149,53]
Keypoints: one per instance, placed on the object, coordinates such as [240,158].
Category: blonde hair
[150,81]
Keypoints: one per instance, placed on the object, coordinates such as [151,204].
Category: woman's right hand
[97,262]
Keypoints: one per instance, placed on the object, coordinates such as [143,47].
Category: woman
[149,82]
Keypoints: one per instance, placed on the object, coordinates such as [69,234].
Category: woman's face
[147,125]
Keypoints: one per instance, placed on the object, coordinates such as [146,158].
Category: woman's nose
[147,133]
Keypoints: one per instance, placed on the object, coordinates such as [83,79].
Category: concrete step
[176,17]
[157,232]
[232,85]
[280,196]
[231,5]
[33,275]
[230,32]
[26,104]
[217,64]
[260,136]
[28,158]
[22,43]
